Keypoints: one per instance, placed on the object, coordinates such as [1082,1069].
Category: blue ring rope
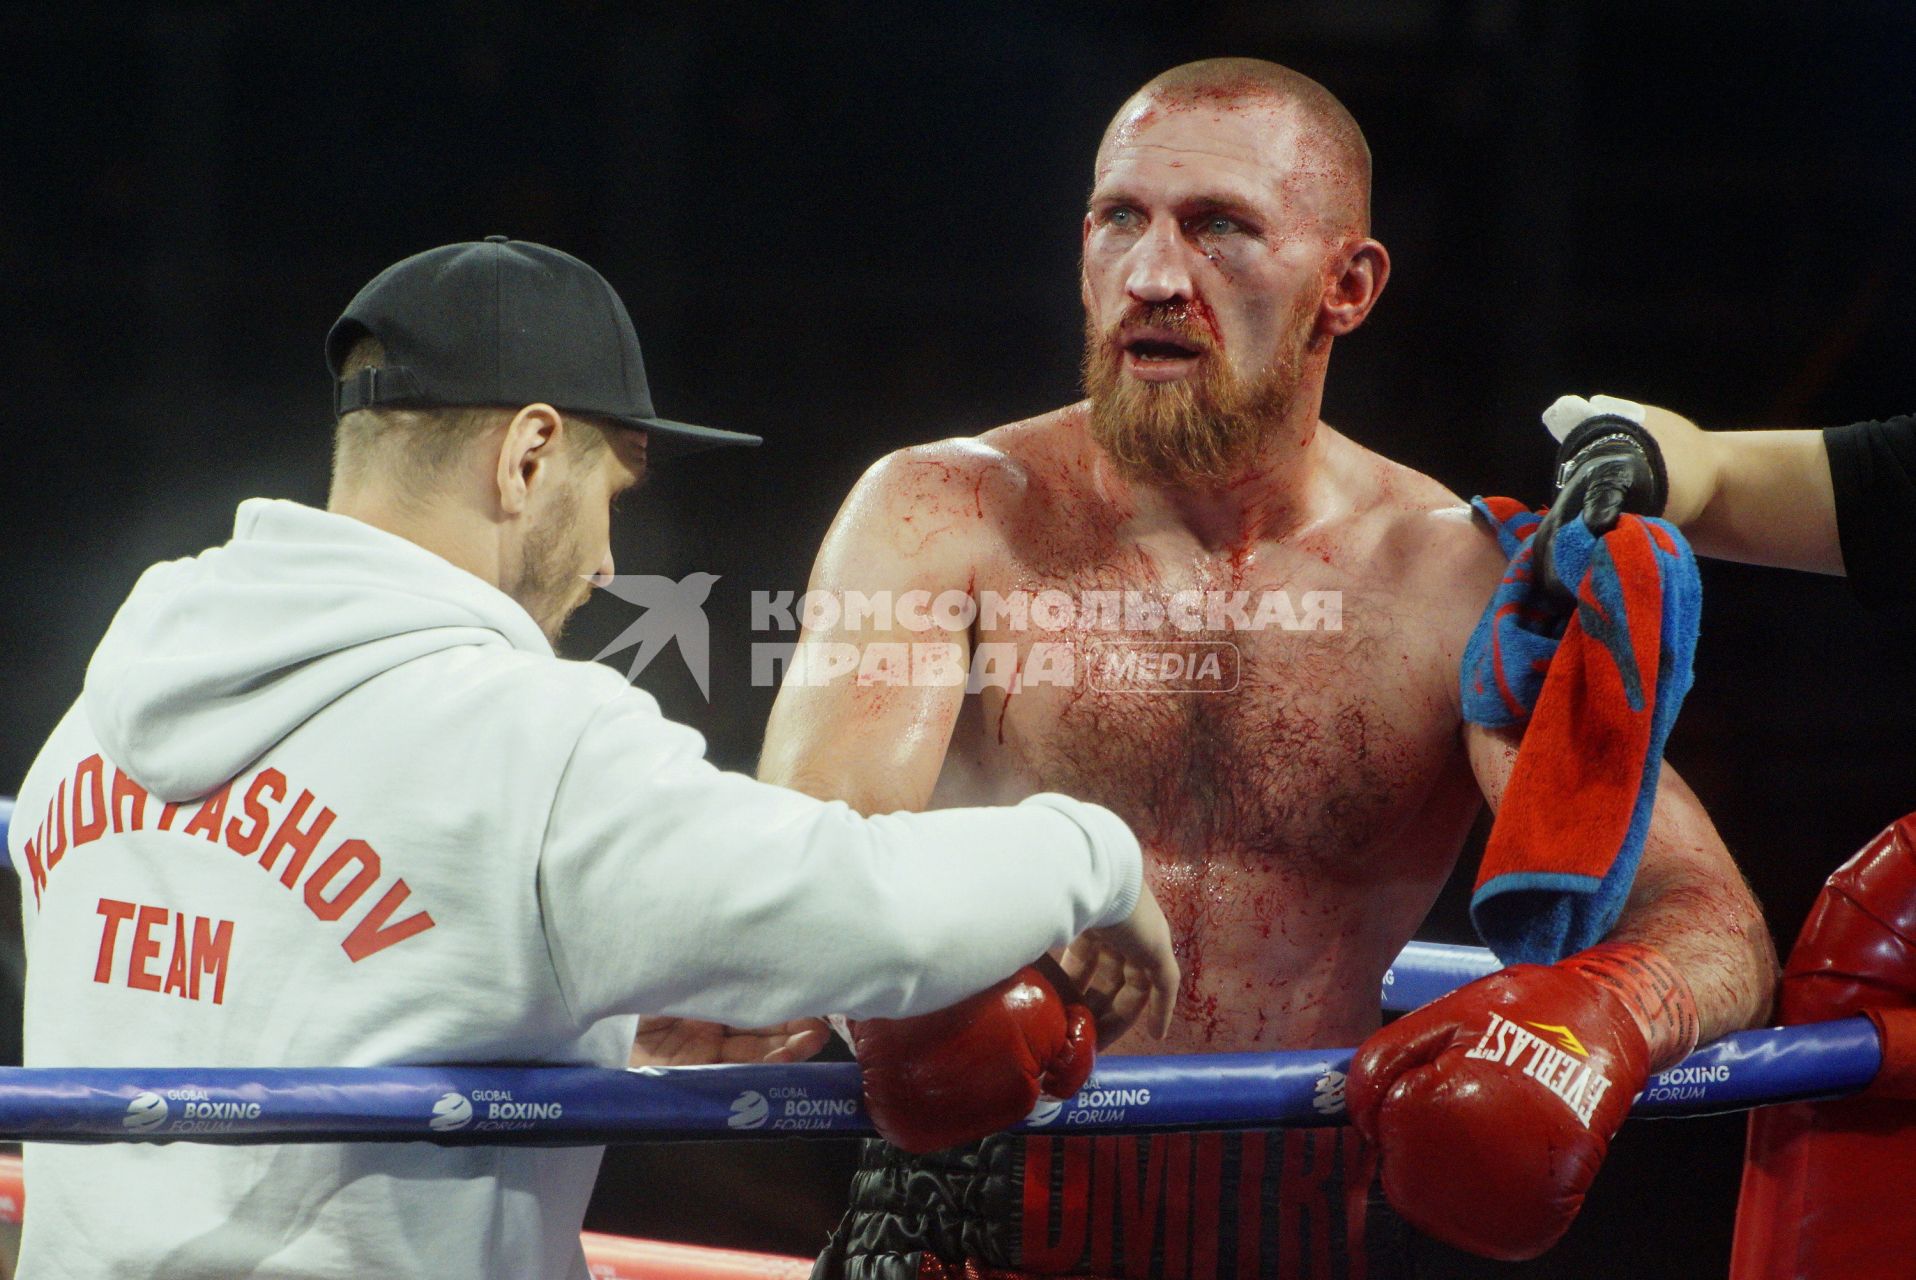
[577,1106]
[572,1106]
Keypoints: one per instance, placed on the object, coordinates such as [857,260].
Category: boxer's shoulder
[979,479]
[1416,521]
[943,503]
[1055,434]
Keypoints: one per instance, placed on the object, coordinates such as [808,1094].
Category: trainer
[328,798]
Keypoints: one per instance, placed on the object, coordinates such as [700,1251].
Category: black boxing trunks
[1300,1204]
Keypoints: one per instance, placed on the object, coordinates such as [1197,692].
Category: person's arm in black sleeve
[1872,468]
[1760,497]
[1835,501]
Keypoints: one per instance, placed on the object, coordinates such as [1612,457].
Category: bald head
[1311,135]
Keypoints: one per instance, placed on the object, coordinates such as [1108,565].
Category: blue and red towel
[1597,689]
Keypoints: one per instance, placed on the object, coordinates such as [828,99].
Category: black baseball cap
[504,322]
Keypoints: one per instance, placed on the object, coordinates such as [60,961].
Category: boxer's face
[1208,249]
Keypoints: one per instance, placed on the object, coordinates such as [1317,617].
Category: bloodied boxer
[1189,598]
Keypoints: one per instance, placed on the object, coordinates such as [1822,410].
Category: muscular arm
[915,529]
[1689,900]
[1762,497]
[914,523]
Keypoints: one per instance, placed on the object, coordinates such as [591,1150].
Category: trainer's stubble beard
[549,584]
[1198,432]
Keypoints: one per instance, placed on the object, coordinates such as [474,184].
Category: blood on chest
[1284,820]
[1298,746]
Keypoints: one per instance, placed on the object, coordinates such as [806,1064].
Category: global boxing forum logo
[147,1112]
[452,1111]
[1046,1111]
[749,1111]
[1327,1094]
[198,1112]
[490,1110]
[789,1107]
[1095,1103]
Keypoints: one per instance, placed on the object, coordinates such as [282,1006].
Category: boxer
[1191,599]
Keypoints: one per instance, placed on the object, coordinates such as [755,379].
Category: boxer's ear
[1363,268]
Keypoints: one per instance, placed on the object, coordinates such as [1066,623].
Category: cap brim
[668,439]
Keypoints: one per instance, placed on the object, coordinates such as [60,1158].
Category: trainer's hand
[957,1075]
[687,1042]
[1606,466]
[1493,1107]
[1128,972]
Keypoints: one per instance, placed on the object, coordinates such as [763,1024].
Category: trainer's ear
[525,454]
[1356,288]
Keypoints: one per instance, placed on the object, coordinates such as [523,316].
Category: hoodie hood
[213,660]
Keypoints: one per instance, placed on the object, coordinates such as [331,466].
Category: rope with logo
[578,1106]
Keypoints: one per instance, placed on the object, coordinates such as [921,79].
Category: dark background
[849,227]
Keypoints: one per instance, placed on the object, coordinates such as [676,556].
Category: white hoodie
[328,800]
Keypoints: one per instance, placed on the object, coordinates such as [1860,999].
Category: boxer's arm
[914,533]
[916,522]
[1689,901]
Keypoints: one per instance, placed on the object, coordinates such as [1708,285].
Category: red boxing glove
[1826,1184]
[1857,954]
[1492,1108]
[978,1067]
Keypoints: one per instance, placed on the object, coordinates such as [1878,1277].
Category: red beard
[1200,431]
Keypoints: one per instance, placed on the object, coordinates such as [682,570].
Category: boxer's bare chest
[1275,702]
[1274,721]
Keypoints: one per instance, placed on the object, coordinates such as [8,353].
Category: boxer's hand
[1492,1107]
[1607,464]
[957,1075]
[687,1042]
[1128,972]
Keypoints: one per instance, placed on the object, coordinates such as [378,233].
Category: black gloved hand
[1608,465]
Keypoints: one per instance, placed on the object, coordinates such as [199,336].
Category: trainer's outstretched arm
[1762,497]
